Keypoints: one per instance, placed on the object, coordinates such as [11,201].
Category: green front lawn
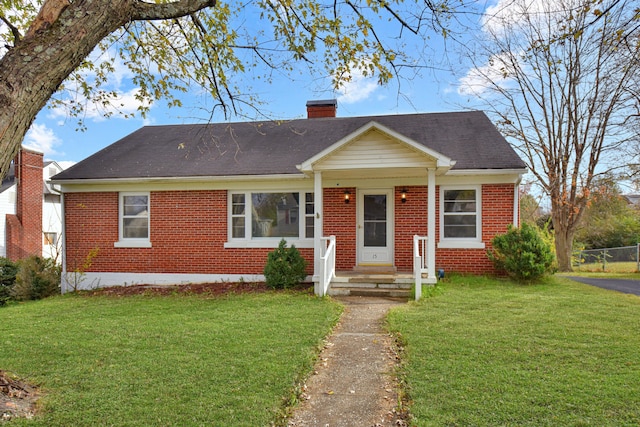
[484,352]
[164,361]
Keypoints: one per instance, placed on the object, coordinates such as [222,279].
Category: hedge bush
[285,267]
[523,253]
[8,271]
[37,278]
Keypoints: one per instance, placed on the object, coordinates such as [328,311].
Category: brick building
[203,203]
[30,208]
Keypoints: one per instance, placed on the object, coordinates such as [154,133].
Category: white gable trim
[440,159]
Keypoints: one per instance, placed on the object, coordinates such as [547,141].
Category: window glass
[309,216]
[460,201]
[460,214]
[275,215]
[135,217]
[272,215]
[237,216]
[50,239]
[237,201]
[375,220]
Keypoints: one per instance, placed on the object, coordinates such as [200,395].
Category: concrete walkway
[353,383]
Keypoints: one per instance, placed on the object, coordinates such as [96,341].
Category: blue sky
[433,91]
[56,135]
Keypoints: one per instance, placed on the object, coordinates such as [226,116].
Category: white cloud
[148,121]
[479,79]
[506,14]
[121,71]
[117,81]
[65,164]
[507,20]
[124,103]
[357,89]
[41,138]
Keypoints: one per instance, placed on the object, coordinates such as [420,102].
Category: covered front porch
[375,209]
[372,281]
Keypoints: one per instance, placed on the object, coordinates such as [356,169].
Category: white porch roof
[376,148]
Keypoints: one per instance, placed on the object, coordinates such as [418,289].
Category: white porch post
[516,204]
[431,226]
[317,228]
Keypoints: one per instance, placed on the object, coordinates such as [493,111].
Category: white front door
[375,227]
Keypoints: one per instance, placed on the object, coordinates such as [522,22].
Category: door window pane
[375,220]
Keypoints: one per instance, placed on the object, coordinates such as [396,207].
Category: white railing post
[417,267]
[420,261]
[327,264]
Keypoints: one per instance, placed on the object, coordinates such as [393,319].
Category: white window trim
[462,242]
[135,242]
[265,242]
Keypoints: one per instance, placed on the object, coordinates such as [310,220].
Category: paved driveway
[628,286]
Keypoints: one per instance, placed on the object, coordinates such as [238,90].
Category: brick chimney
[322,108]
[24,229]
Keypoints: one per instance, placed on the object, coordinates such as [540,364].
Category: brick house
[30,207]
[397,194]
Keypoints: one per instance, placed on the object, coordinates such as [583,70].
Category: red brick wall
[497,214]
[321,111]
[340,221]
[24,229]
[410,219]
[188,231]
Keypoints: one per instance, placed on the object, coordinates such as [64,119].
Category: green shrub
[285,267]
[8,270]
[37,278]
[523,253]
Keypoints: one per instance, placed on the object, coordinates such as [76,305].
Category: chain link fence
[623,259]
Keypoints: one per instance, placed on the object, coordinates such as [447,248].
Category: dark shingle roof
[263,148]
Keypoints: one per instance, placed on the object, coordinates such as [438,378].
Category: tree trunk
[565,217]
[33,70]
[564,249]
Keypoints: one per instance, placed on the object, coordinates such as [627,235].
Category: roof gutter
[487,172]
[178,179]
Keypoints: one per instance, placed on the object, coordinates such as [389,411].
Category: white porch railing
[327,264]
[420,261]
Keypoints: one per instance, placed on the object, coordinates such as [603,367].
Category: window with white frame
[460,214]
[134,217]
[237,216]
[309,216]
[50,238]
[256,216]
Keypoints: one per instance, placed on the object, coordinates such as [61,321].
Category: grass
[163,361]
[611,269]
[486,352]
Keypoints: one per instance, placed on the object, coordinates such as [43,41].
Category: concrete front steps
[394,285]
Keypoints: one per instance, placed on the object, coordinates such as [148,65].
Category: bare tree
[173,45]
[559,78]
